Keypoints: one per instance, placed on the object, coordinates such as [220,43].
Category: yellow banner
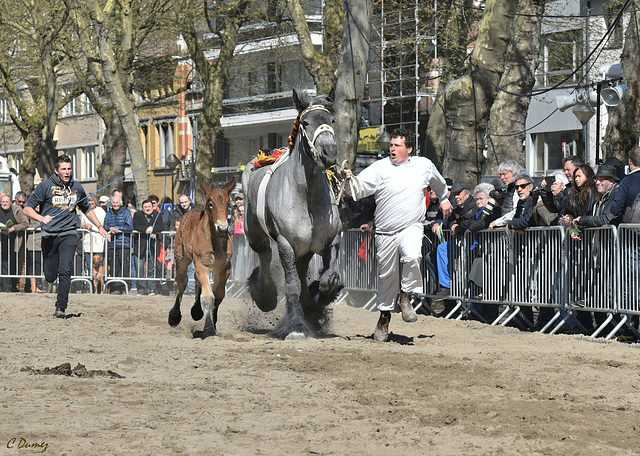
[368,141]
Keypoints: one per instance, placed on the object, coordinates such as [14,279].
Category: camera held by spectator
[498,192]
[488,209]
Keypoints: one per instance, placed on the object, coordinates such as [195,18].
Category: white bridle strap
[312,142]
[261,203]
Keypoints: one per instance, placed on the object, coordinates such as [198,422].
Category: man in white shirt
[398,184]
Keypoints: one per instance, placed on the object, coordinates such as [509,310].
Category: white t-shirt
[399,191]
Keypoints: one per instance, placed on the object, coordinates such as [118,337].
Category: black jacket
[626,194]
[602,214]
[463,216]
[490,213]
[524,215]
[59,201]
[142,241]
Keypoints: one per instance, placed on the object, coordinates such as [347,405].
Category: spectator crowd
[139,251]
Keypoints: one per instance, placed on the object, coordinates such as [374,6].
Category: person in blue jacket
[58,197]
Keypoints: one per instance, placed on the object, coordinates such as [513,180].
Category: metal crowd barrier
[357,265]
[134,258]
[543,268]
[19,259]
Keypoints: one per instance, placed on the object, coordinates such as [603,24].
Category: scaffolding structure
[402,80]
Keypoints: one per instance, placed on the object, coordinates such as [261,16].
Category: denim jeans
[191,273]
[59,253]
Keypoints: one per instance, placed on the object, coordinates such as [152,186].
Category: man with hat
[462,216]
[607,183]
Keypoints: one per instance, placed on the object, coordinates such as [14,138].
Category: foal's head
[316,128]
[217,205]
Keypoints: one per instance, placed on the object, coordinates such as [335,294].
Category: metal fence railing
[542,270]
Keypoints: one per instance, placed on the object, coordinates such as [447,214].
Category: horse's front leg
[196,310]
[182,264]
[207,300]
[330,282]
[293,325]
[220,283]
[261,285]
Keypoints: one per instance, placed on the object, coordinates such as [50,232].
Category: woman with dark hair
[583,193]
[583,197]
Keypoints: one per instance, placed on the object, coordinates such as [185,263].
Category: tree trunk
[622,129]
[436,140]
[321,66]
[122,105]
[32,151]
[115,153]
[351,73]
[210,122]
[214,75]
[467,100]
[508,116]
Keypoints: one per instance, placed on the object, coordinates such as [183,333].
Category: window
[295,74]
[78,106]
[89,155]
[560,54]
[4,111]
[165,140]
[71,153]
[83,162]
[70,109]
[552,147]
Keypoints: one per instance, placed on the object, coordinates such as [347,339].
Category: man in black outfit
[58,197]
[147,246]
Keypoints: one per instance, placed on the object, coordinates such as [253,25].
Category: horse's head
[217,205]
[316,128]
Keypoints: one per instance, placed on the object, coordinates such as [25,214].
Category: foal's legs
[182,264]
[220,282]
[196,310]
[207,300]
[293,321]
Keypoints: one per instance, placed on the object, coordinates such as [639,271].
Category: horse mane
[324,100]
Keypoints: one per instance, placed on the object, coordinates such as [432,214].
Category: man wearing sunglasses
[523,217]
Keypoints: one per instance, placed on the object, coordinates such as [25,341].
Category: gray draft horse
[291,202]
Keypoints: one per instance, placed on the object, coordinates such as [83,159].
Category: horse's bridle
[321,129]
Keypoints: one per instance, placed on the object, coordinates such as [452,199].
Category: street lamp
[384,141]
[171,162]
[583,101]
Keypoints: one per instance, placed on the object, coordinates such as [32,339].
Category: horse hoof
[206,334]
[196,312]
[296,335]
[175,318]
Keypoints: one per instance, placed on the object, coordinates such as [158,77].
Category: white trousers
[403,249]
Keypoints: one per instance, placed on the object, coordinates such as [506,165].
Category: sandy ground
[439,387]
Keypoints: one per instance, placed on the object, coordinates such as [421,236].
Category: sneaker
[59,313]
[151,293]
[443,294]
